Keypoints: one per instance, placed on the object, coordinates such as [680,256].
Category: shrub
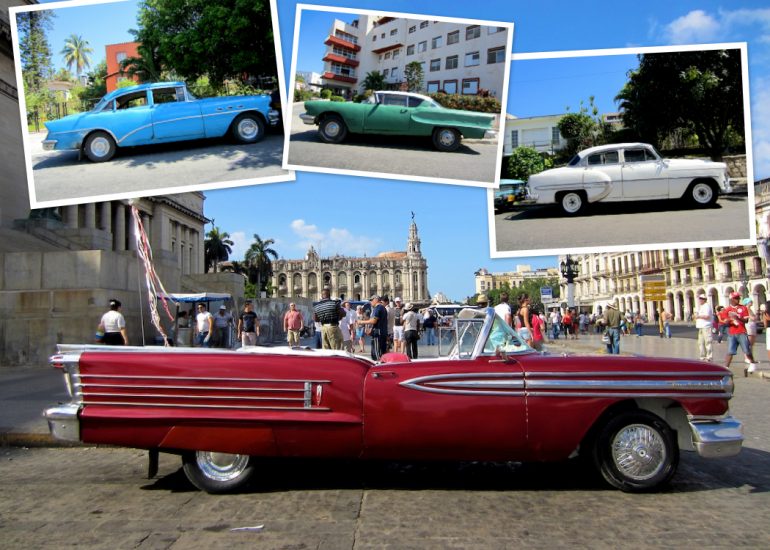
[337,98]
[326,93]
[526,161]
[468,102]
[302,95]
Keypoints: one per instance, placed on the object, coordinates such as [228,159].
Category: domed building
[402,273]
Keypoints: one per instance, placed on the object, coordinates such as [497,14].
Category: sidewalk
[26,391]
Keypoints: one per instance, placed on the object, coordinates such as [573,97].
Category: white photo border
[743,47]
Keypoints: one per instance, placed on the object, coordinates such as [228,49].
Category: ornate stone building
[486,280]
[403,274]
[616,276]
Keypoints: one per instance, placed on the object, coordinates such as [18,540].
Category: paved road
[59,175]
[627,224]
[473,161]
[99,497]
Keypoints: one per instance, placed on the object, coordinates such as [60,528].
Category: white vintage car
[628,172]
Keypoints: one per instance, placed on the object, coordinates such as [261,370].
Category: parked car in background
[510,194]
[628,172]
[398,113]
[491,397]
[160,112]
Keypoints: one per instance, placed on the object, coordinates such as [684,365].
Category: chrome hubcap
[702,193]
[572,202]
[332,129]
[247,128]
[446,138]
[638,452]
[100,146]
[221,466]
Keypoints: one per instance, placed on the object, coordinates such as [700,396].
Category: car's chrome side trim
[204,378]
[483,383]
[723,395]
[625,374]
[205,406]
[688,385]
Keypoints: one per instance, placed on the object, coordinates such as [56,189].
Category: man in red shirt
[737,317]
[292,324]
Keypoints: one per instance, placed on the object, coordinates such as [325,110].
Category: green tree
[259,258]
[146,66]
[217,247]
[700,92]
[64,75]
[225,39]
[77,52]
[34,49]
[413,75]
[531,287]
[525,161]
[374,81]
[97,85]
[583,129]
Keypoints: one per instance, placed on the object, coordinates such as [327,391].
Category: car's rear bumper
[307,119]
[49,144]
[490,134]
[718,437]
[63,421]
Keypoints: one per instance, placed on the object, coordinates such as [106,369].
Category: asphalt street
[474,161]
[59,175]
[626,224]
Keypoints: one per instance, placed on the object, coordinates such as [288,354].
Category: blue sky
[353,215]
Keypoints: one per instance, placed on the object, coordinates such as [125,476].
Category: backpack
[397,316]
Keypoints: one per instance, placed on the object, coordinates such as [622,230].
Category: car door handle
[384,374]
[404,110]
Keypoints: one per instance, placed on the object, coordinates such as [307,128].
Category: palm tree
[216,248]
[258,258]
[77,52]
[374,80]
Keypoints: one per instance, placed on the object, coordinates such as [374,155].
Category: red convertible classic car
[491,398]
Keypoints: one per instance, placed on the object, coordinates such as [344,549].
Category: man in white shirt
[346,326]
[503,309]
[704,318]
[204,322]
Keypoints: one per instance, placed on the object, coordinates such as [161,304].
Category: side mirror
[501,354]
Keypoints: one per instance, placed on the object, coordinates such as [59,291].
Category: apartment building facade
[486,280]
[455,58]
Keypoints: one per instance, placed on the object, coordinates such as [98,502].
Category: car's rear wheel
[217,472]
[446,139]
[702,193]
[99,147]
[332,129]
[636,451]
[572,202]
[248,128]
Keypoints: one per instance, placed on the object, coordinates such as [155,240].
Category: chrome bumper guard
[49,144]
[274,117]
[490,134]
[728,186]
[63,421]
[717,438]
[307,119]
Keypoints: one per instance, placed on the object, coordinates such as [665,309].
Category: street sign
[654,288]
[546,294]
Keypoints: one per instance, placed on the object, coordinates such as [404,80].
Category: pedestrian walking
[204,322]
[721,324]
[611,320]
[638,324]
[766,321]
[429,327]
[751,325]
[503,309]
[293,322]
[704,318]
[328,312]
[378,320]
[667,323]
[113,326]
[223,322]
[524,319]
[555,319]
[737,317]
[411,330]
[360,328]
[395,324]
[248,325]
[347,326]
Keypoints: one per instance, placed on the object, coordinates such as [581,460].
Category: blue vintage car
[159,113]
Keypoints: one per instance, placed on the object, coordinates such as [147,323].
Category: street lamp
[569,270]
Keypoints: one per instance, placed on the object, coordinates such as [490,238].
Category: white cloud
[696,26]
[760,127]
[240,245]
[332,241]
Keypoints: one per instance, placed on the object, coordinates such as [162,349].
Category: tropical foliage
[525,161]
[529,286]
[76,52]
[413,75]
[259,258]
[374,80]
[217,247]
[34,49]
[468,102]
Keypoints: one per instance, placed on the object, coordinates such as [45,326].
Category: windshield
[100,105]
[574,161]
[503,338]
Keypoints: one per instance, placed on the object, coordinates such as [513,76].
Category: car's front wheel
[332,129]
[446,139]
[99,147]
[217,472]
[572,202]
[702,193]
[248,128]
[636,451]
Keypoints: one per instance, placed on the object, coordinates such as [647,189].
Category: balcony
[331,75]
[342,43]
[337,58]
[388,48]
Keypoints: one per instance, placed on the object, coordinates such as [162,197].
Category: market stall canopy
[199,297]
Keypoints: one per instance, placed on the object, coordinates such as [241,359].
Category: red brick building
[115,54]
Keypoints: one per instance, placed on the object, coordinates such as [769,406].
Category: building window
[395,53]
[472,59]
[423,24]
[452,61]
[422,46]
[394,32]
[452,38]
[380,57]
[412,29]
[433,85]
[450,86]
[495,55]
[470,86]
[494,30]
[436,42]
[387,55]
[385,73]
[374,38]
[394,72]
[514,139]
[120,56]
[410,49]
[382,35]
[474,31]
[422,66]
[435,65]
[555,135]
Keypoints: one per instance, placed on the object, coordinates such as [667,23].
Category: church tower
[413,242]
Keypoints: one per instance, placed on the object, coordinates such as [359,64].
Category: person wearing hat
[411,330]
[328,312]
[737,316]
[396,319]
[378,319]
[482,300]
[223,320]
[611,320]
[113,326]
[704,321]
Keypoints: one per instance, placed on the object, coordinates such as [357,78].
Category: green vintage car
[398,113]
